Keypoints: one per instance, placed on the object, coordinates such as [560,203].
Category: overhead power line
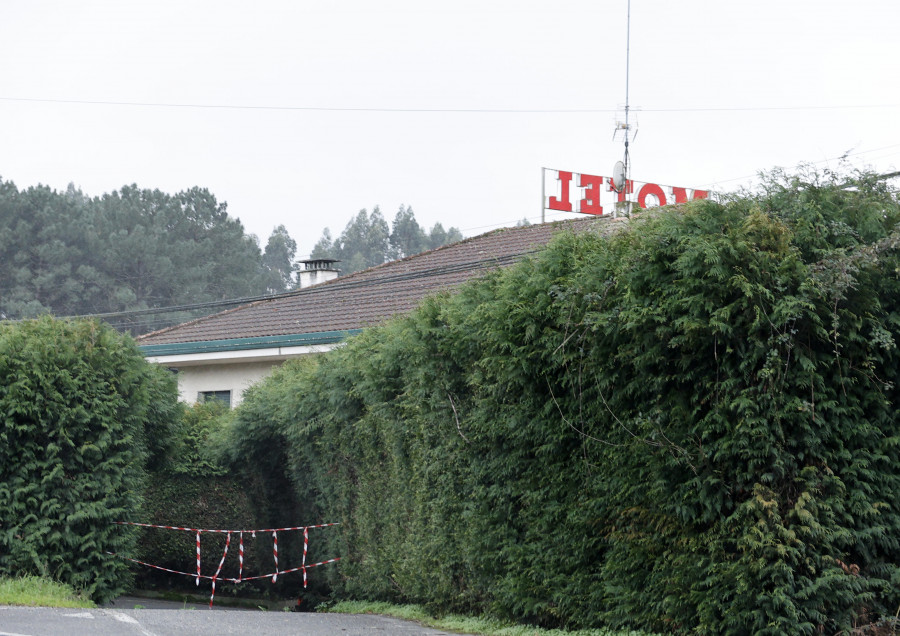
[820,161]
[373,109]
[721,109]
[343,283]
[364,109]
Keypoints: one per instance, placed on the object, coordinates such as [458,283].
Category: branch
[572,426]
[456,417]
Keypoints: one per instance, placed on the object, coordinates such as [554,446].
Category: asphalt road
[177,619]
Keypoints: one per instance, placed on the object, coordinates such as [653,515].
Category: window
[222,396]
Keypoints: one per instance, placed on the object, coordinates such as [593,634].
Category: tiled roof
[373,295]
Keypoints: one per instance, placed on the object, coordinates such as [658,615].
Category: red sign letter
[590,204]
[681,195]
[563,204]
[648,189]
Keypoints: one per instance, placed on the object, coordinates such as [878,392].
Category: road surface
[164,618]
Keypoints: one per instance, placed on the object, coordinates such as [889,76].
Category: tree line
[367,240]
[687,426]
[65,253]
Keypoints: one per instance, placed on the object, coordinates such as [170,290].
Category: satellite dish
[619,176]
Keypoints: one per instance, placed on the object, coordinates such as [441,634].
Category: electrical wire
[815,163]
[329,109]
[344,284]
[372,109]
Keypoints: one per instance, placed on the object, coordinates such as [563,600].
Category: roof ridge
[196,321]
[348,299]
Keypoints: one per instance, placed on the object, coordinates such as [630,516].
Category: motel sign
[587,193]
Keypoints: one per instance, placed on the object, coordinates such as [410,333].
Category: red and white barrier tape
[240,578]
[288,571]
[225,578]
[150,525]
[275,552]
[219,569]
[241,558]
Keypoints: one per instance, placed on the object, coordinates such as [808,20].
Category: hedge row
[190,487]
[90,434]
[689,426]
[81,414]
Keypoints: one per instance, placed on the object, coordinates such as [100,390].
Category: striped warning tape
[305,545]
[227,579]
[241,558]
[275,552]
[219,569]
[240,578]
[150,525]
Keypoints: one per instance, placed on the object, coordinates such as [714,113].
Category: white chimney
[317,270]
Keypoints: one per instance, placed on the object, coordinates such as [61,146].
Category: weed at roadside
[464,624]
[40,592]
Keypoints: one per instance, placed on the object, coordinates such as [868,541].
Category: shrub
[192,488]
[688,426]
[191,452]
[207,503]
[256,451]
[80,415]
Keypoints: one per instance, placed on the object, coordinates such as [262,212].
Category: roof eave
[246,344]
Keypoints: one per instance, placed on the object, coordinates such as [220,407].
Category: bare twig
[670,445]
[684,453]
[619,422]
[564,342]
[572,426]
[456,417]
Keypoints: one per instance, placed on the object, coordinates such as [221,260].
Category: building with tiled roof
[219,356]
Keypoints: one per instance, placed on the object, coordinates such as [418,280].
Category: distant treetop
[367,240]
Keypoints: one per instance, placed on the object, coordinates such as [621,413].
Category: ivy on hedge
[688,426]
[81,413]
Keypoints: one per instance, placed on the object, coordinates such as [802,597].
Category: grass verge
[465,624]
[40,592]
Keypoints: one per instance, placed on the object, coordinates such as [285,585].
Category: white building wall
[221,377]
[233,371]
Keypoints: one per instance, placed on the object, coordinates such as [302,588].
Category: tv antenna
[622,169]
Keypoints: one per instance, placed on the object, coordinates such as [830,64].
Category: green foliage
[209,502]
[366,241]
[690,426]
[40,592]
[76,429]
[131,249]
[278,261]
[192,452]
[464,624]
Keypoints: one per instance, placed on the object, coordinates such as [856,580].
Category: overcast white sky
[301,113]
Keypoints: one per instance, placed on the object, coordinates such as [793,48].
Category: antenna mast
[627,75]
[622,170]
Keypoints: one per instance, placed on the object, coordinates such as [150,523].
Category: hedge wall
[81,413]
[191,488]
[689,426]
[207,502]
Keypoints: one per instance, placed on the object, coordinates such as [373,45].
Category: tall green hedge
[191,488]
[81,413]
[689,426]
